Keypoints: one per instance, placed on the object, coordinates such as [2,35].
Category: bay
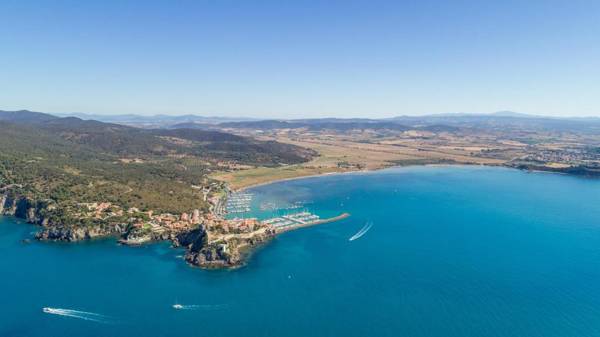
[452,251]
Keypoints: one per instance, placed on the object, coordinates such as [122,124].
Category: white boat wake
[361,232]
[85,315]
[199,306]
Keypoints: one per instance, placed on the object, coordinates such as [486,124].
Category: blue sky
[291,59]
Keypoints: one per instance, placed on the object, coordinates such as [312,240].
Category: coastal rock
[230,252]
[39,212]
[134,237]
[25,208]
[2,201]
[9,205]
[61,234]
[193,240]
[77,233]
[199,252]
[216,256]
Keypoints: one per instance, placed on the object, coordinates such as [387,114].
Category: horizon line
[500,113]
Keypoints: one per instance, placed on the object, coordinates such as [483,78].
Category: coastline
[274,181]
[255,241]
[293,260]
[533,169]
[242,189]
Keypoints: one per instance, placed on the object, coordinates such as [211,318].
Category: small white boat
[362,231]
[177,306]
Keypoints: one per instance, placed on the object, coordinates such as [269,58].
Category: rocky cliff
[78,232]
[25,208]
[8,205]
[193,240]
[206,248]
[2,201]
[229,252]
[39,212]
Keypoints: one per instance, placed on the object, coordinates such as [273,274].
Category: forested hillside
[69,160]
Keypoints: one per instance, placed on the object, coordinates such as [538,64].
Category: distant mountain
[123,140]
[191,125]
[449,122]
[25,116]
[505,113]
[264,125]
[445,122]
[156,121]
[338,124]
[504,119]
[512,114]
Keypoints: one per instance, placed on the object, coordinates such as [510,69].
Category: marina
[272,206]
[239,202]
[296,219]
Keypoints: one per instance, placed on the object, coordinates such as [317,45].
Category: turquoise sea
[453,251]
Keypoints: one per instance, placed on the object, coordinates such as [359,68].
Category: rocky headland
[210,240]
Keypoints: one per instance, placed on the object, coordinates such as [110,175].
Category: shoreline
[245,188]
[250,250]
[535,170]
[242,189]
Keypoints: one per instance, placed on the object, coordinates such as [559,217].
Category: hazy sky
[301,58]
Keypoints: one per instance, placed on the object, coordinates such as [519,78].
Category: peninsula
[81,180]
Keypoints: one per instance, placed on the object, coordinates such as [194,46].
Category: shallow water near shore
[452,251]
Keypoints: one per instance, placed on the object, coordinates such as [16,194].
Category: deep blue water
[453,251]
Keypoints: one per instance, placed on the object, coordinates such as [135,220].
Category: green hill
[69,161]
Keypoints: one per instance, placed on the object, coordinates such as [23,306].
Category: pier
[298,220]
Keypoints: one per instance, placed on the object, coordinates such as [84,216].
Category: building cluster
[231,226]
[573,156]
[100,210]
[243,225]
[166,221]
[147,225]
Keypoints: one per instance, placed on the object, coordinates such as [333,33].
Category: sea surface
[452,251]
